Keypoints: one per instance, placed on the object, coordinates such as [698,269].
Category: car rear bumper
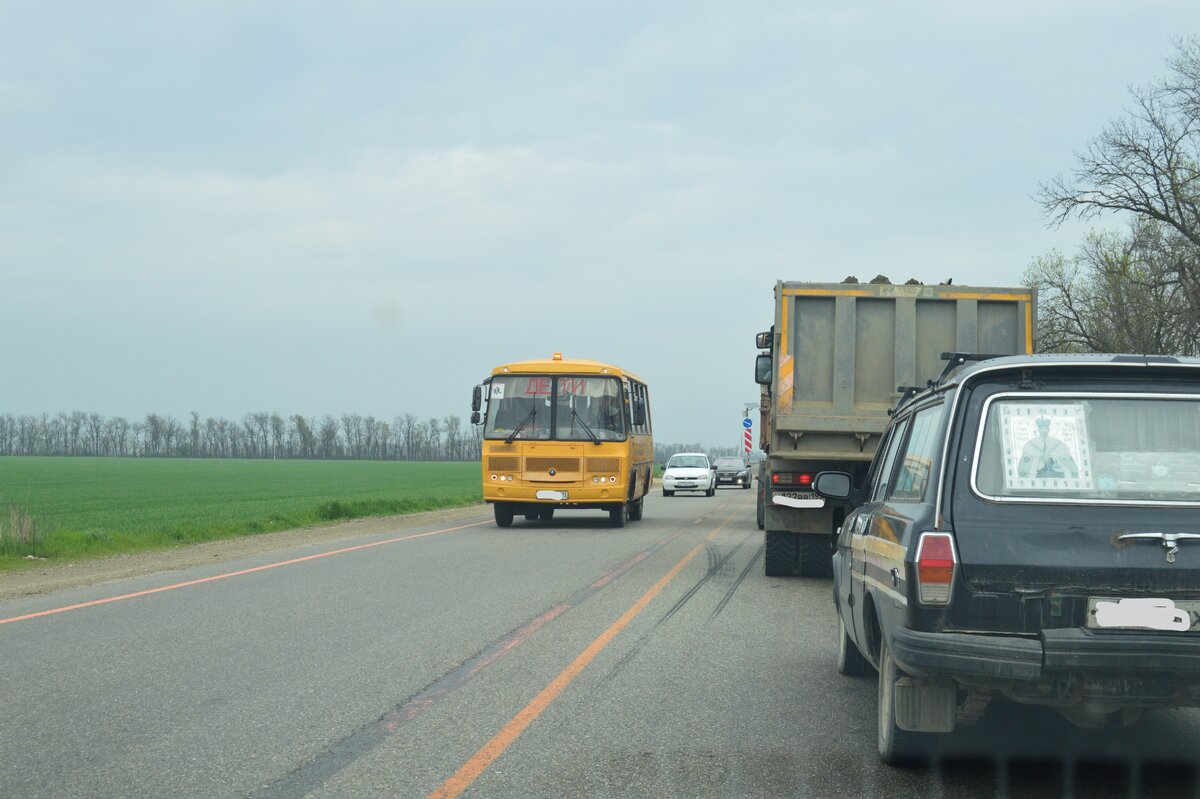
[975,657]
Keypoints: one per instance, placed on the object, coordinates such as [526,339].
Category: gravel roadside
[44,579]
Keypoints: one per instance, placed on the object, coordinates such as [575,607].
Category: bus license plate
[558,495]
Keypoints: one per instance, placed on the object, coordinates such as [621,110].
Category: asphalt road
[551,659]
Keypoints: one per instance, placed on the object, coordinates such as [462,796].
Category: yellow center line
[479,762]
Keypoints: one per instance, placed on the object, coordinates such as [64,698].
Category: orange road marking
[479,762]
[239,573]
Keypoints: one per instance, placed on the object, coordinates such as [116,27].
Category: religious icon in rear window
[1045,446]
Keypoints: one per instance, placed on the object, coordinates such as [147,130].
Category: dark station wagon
[1029,529]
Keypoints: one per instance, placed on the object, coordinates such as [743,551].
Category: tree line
[257,435]
[260,435]
[1136,289]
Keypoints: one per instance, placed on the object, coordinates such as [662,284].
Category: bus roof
[563,366]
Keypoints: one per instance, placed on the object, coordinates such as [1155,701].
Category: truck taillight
[935,568]
[802,479]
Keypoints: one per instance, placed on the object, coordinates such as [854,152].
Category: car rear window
[1090,448]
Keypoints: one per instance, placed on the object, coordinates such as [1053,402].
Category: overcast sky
[364,207]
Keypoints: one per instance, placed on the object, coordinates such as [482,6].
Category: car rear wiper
[521,426]
[575,415]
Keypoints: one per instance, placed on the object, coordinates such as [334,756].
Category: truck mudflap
[972,655]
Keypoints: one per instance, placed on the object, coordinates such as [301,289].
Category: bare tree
[116,430]
[329,437]
[194,435]
[1120,293]
[384,431]
[432,438]
[278,429]
[1146,163]
[453,427]
[95,433]
[408,428]
[304,435]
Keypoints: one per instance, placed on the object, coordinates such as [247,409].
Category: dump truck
[833,366]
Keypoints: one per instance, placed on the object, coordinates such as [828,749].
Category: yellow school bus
[564,433]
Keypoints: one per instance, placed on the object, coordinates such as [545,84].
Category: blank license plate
[552,495]
[1142,613]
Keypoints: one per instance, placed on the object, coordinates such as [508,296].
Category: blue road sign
[746,423]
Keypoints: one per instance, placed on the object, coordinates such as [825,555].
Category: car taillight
[802,479]
[935,568]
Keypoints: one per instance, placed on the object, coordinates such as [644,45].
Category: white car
[689,471]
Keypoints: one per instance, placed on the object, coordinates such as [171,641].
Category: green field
[65,508]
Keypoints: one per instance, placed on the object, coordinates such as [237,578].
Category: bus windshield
[558,407]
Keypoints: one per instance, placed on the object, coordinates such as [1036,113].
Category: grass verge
[71,508]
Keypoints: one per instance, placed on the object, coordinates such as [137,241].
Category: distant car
[1027,532]
[733,471]
[689,471]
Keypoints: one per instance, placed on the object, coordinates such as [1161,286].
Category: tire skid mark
[729,594]
[306,778]
[715,564]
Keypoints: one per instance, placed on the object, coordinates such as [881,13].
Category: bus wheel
[616,516]
[546,514]
[504,514]
[635,510]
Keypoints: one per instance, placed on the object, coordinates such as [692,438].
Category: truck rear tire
[616,516]
[779,553]
[504,514]
[814,557]
[762,511]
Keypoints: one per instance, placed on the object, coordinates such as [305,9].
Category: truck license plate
[797,499]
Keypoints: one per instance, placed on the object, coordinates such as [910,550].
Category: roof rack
[956,359]
[907,393]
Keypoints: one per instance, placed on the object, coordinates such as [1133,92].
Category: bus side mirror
[762,369]
[476,402]
[639,413]
[474,417]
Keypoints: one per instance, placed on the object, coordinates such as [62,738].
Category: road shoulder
[48,578]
